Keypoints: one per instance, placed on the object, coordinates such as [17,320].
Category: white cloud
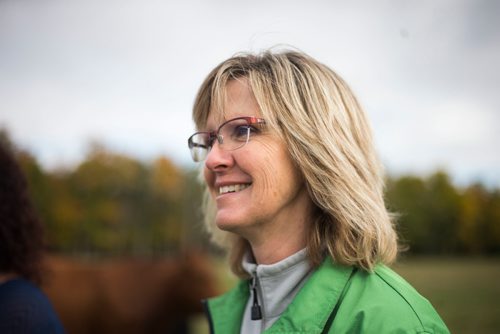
[126,72]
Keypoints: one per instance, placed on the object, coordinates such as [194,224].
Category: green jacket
[338,299]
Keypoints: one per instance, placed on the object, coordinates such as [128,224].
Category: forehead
[235,100]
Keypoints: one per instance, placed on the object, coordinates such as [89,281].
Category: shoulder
[24,308]
[21,289]
[383,302]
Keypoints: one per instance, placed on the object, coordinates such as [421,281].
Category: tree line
[113,204]
[435,217]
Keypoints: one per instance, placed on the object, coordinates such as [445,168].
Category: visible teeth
[232,188]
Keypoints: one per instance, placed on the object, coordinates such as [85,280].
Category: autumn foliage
[113,204]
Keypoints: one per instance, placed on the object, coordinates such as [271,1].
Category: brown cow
[128,296]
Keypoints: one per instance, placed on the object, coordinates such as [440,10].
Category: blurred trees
[435,217]
[114,204]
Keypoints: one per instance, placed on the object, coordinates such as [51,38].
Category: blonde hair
[329,138]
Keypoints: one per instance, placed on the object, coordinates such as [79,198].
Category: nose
[218,159]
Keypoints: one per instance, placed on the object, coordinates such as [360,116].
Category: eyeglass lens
[230,136]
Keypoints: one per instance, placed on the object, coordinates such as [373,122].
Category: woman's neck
[274,247]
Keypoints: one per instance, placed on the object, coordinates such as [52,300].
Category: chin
[230,224]
[226,226]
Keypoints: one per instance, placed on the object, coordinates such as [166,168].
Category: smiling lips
[233,188]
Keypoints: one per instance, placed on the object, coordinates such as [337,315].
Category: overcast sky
[125,73]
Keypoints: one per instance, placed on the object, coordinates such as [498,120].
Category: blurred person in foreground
[294,192]
[24,308]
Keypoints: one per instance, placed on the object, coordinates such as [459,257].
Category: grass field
[465,291]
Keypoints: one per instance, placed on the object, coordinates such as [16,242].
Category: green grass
[464,291]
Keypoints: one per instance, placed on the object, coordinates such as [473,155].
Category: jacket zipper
[256,312]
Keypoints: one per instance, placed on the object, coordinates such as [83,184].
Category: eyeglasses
[231,135]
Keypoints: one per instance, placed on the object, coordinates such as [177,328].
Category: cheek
[266,184]
[276,171]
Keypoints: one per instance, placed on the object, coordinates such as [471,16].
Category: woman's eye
[242,130]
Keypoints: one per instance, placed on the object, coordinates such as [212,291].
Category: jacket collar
[276,285]
[308,313]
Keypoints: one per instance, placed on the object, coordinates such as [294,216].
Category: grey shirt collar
[276,285]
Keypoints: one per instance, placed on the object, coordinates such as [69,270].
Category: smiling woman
[294,192]
[271,190]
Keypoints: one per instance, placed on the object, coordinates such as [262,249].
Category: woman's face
[269,192]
